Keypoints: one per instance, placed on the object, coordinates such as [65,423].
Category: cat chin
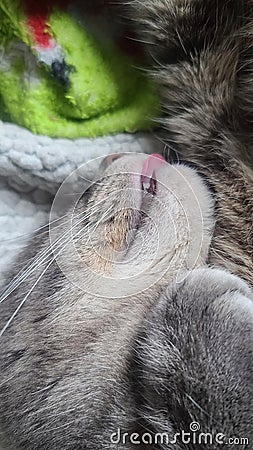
[177,235]
[171,236]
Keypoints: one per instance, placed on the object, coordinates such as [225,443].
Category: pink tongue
[152,163]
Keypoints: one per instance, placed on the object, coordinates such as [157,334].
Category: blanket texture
[33,167]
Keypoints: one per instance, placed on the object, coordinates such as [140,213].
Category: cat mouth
[134,207]
[148,175]
[149,188]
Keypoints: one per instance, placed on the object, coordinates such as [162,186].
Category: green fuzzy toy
[64,82]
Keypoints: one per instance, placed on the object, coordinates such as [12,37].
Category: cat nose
[108,160]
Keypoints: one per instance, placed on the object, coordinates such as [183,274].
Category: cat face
[144,220]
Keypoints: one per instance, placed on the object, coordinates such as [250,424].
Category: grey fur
[76,367]
[65,358]
[194,362]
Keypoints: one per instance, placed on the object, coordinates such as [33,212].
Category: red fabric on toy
[37,18]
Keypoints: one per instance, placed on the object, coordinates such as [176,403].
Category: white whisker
[37,230]
[23,275]
[45,269]
[36,263]
[23,301]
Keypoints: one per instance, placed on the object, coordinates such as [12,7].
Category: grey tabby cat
[120,334]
